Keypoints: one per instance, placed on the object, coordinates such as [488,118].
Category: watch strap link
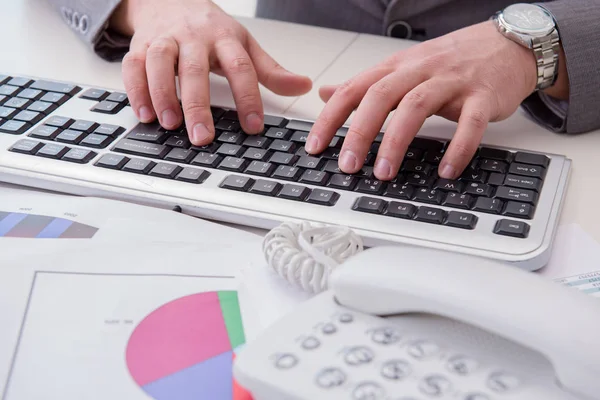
[546,51]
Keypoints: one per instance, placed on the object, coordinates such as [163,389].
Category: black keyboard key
[42,107]
[493,166]
[287,173]
[522,195]
[449,185]
[479,189]
[430,196]
[8,90]
[231,138]
[283,158]
[369,205]
[165,170]
[138,148]
[413,155]
[228,125]
[18,103]
[45,132]
[260,142]
[117,97]
[236,182]
[260,168]
[323,197]
[145,136]
[193,175]
[299,137]
[331,154]
[488,205]
[96,141]
[14,127]
[266,188]
[274,121]
[207,160]
[495,154]
[313,177]
[283,146]
[31,117]
[20,81]
[94,94]
[109,130]
[217,113]
[179,141]
[70,136]
[231,150]
[457,200]
[370,186]
[496,179]
[256,154]
[107,107]
[3,98]
[344,182]
[433,157]
[533,159]
[507,227]
[431,215]
[294,192]
[26,146]
[523,182]
[370,160]
[518,210]
[183,156]
[473,175]
[112,161]
[399,191]
[55,98]
[336,143]
[234,164]
[401,210]
[332,167]
[231,115]
[309,162]
[534,171]
[59,122]
[53,150]
[139,166]
[420,180]
[48,86]
[342,132]
[209,148]
[365,172]
[278,133]
[461,220]
[427,144]
[7,112]
[416,166]
[84,125]
[79,156]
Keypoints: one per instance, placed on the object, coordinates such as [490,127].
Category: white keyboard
[84,140]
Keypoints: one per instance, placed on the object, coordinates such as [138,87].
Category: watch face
[528,18]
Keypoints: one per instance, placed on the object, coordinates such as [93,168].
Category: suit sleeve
[89,19]
[577,22]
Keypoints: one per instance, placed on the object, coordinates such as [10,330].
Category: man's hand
[472,76]
[190,38]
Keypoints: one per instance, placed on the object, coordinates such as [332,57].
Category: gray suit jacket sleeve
[580,37]
[89,20]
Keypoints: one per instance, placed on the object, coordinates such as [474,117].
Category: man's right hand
[190,38]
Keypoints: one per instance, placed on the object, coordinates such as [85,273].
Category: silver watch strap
[546,51]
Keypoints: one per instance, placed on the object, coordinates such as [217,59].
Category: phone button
[395,370]
[286,361]
[359,355]
[331,377]
[385,336]
[461,365]
[435,385]
[346,318]
[502,382]
[310,343]
[328,329]
[368,391]
[423,349]
[477,396]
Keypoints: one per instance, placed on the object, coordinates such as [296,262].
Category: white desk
[40,44]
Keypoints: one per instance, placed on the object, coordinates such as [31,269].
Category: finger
[273,76]
[372,112]
[343,102]
[239,70]
[410,115]
[161,59]
[135,81]
[194,71]
[473,121]
[327,91]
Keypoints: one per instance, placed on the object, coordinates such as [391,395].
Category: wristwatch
[534,27]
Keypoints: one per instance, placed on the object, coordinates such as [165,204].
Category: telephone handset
[411,324]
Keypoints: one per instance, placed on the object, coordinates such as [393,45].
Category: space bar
[141,148]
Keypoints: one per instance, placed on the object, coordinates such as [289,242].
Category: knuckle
[195,108]
[347,88]
[133,59]
[381,90]
[463,151]
[224,33]
[135,91]
[240,65]
[248,99]
[161,47]
[193,67]
[478,119]
[416,100]
[359,134]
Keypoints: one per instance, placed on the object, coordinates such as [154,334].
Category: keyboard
[72,138]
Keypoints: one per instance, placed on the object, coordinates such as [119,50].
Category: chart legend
[33,226]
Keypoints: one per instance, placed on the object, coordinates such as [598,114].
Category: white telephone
[412,324]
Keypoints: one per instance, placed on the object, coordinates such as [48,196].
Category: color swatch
[185,349]
[21,225]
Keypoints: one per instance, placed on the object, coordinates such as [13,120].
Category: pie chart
[185,349]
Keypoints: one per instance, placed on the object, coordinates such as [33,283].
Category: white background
[244,8]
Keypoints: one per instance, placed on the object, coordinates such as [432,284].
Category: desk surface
[42,45]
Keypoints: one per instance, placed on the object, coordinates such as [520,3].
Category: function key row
[53,151]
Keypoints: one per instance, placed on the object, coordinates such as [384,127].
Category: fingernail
[447,172]
[312,144]
[169,118]
[145,114]
[200,134]
[383,168]
[254,122]
[348,161]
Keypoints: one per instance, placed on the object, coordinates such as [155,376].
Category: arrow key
[518,210]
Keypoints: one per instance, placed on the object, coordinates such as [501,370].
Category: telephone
[403,323]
